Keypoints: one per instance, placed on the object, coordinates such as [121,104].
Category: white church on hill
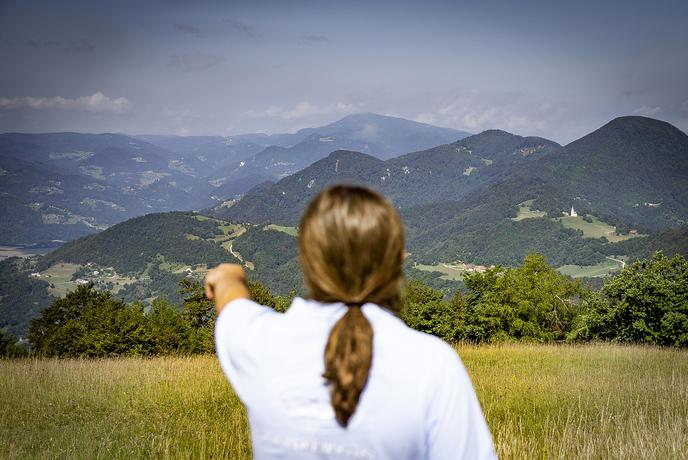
[573,212]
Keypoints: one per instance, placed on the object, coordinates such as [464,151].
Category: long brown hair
[351,245]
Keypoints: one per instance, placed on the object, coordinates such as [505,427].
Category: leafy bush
[425,309]
[531,302]
[90,323]
[647,303]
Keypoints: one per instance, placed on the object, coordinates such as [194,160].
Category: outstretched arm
[225,283]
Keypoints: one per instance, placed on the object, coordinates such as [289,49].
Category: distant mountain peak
[340,154]
[495,132]
[636,132]
[370,117]
[638,124]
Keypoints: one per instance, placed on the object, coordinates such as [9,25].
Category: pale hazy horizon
[216,68]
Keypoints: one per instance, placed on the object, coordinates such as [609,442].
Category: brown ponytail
[351,242]
[348,357]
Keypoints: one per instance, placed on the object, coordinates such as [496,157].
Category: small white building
[573,212]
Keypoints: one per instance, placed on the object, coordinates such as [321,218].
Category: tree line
[646,303]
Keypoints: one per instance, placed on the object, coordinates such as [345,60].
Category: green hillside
[448,172]
[630,173]
[464,202]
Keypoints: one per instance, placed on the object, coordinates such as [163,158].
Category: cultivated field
[594,229]
[293,231]
[60,277]
[16,251]
[524,211]
[596,401]
[604,268]
[453,272]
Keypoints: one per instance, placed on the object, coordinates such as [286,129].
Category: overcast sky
[548,68]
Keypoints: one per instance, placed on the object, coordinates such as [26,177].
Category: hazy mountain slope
[459,200]
[206,154]
[443,173]
[42,203]
[80,182]
[283,202]
[381,136]
[452,171]
[118,156]
[631,173]
[85,181]
[385,136]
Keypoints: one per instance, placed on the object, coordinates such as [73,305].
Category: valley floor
[541,401]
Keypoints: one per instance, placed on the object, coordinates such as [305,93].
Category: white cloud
[647,111]
[96,103]
[475,116]
[303,109]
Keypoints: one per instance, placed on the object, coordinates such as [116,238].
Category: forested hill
[443,173]
[381,136]
[130,247]
[59,186]
[631,173]
[144,258]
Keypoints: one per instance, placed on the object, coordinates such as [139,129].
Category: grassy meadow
[525,212]
[601,269]
[453,272]
[541,401]
[594,229]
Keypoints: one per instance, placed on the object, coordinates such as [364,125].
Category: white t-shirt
[418,403]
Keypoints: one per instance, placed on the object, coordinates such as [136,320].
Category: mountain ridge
[115,176]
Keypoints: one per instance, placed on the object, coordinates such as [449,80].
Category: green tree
[262,295]
[424,309]
[531,302]
[198,310]
[90,323]
[647,302]
[170,330]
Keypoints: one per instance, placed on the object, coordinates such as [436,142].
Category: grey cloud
[195,61]
[647,111]
[303,109]
[241,27]
[81,44]
[187,29]
[313,39]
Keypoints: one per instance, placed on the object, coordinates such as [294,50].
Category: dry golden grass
[597,401]
[120,408]
[593,401]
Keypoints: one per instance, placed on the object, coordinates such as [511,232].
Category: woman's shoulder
[390,328]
